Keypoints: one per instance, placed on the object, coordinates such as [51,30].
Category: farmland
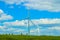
[26,37]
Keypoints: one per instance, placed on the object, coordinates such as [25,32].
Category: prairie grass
[28,37]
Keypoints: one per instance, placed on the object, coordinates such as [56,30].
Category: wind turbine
[28,22]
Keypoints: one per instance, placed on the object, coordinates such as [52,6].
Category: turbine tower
[28,18]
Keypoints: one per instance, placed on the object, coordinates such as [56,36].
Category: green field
[25,37]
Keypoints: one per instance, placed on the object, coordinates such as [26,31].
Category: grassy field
[25,37]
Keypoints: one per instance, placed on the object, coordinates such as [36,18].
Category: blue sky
[45,16]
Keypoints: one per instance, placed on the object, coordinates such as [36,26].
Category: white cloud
[36,22]
[2,27]
[51,31]
[46,21]
[4,16]
[35,30]
[54,28]
[14,29]
[1,11]
[13,1]
[10,29]
[16,23]
[50,5]
[19,30]
[6,28]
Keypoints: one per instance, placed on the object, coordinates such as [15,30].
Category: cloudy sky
[44,17]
